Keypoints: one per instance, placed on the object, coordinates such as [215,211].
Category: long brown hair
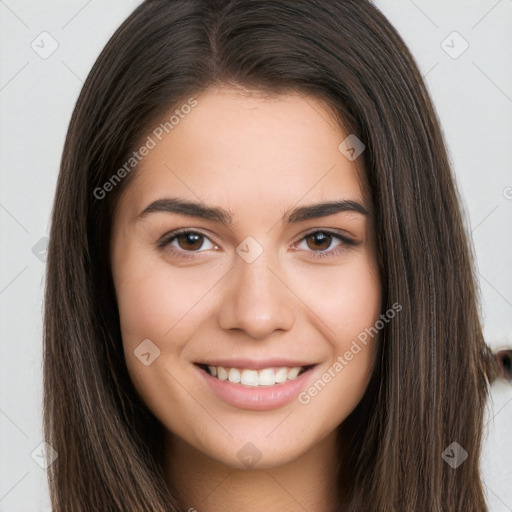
[431,383]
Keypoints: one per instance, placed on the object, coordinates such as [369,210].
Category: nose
[256,299]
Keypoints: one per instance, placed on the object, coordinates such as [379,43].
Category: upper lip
[255,363]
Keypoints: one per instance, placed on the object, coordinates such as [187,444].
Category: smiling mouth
[264,377]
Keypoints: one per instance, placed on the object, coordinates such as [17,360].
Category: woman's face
[264,285]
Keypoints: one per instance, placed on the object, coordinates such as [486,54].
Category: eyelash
[168,238]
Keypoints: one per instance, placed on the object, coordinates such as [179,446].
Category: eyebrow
[224,217]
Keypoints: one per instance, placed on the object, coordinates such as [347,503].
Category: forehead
[247,151]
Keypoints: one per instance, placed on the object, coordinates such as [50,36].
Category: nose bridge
[256,301]
[256,279]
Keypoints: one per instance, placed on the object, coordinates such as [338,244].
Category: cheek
[151,302]
[358,308]
[145,306]
[357,302]
[152,299]
[161,305]
[347,298]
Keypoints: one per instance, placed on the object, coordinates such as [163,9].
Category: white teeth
[254,378]
[234,375]
[266,377]
[282,375]
[249,377]
[292,374]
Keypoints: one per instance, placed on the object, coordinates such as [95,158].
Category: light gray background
[473,97]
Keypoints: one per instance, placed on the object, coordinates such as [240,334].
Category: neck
[306,483]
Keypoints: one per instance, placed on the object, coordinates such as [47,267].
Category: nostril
[504,362]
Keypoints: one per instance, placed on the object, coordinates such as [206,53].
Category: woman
[260,293]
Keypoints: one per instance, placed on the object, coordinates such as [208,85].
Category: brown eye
[185,241]
[319,244]
[320,241]
[190,241]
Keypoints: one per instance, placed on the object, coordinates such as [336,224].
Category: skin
[258,157]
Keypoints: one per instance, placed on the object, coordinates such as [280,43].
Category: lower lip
[262,398]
